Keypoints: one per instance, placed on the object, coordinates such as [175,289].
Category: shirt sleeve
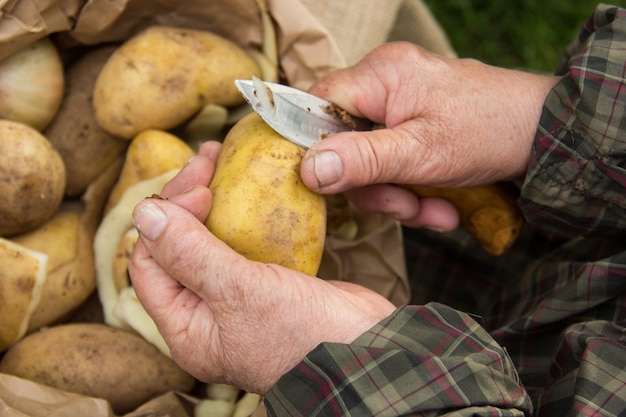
[568,336]
[421,360]
[577,175]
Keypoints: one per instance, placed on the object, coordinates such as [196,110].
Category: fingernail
[328,168]
[436,229]
[150,221]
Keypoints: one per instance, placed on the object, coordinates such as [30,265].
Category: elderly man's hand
[225,318]
[450,122]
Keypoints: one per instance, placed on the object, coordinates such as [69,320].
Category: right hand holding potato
[227,319]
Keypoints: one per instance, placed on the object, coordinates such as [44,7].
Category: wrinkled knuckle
[374,164]
[440,148]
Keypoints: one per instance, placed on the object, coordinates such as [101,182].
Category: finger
[346,88]
[386,199]
[198,171]
[349,160]
[183,246]
[210,149]
[436,214]
[197,200]
[432,213]
[164,298]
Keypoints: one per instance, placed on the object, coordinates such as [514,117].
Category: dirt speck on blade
[270,94]
[340,114]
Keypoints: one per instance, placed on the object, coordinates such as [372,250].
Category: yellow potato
[98,361]
[120,306]
[150,154]
[162,76]
[32,178]
[260,206]
[70,272]
[22,277]
[85,147]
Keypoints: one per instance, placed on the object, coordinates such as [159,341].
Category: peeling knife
[489,213]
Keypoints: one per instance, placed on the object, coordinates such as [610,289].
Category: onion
[32,84]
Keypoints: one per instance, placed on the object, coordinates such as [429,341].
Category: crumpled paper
[21,398]
[373,259]
[305,48]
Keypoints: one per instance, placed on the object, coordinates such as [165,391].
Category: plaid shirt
[538,331]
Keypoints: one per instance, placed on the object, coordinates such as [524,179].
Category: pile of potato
[129,116]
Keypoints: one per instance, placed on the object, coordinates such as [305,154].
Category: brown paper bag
[373,259]
[24,22]
[21,398]
[358,26]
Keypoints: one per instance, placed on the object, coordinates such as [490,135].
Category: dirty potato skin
[164,75]
[70,272]
[85,147]
[260,206]
[150,154]
[32,178]
[22,277]
[96,360]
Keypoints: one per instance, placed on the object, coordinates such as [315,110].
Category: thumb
[349,160]
[181,245]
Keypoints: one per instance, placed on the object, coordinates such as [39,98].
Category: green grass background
[528,34]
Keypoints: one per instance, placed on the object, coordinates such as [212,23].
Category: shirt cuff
[420,358]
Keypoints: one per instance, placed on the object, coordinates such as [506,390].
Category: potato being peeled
[32,178]
[260,206]
[164,75]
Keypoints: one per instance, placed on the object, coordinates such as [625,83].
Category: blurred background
[529,34]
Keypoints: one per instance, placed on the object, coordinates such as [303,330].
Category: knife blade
[489,213]
[302,118]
